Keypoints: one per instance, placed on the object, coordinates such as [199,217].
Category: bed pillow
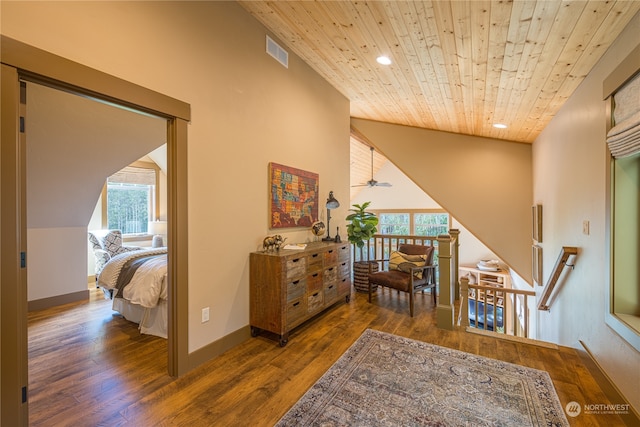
[405,262]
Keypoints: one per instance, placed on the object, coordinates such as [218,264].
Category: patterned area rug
[387,380]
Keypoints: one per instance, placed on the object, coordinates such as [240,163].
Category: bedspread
[108,278]
[149,282]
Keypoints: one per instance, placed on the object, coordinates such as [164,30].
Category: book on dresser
[289,286]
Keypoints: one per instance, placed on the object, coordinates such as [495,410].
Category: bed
[137,283]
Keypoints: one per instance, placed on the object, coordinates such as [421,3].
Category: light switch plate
[585,227]
[205,314]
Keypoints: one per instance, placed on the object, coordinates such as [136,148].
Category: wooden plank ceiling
[457,66]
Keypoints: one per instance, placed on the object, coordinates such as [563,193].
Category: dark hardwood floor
[90,367]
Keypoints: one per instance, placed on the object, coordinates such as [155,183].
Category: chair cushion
[395,279]
[405,262]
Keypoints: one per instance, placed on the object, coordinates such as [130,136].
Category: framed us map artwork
[293,197]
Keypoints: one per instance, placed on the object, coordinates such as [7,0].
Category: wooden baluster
[463,316]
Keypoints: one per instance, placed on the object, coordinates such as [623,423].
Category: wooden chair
[407,276]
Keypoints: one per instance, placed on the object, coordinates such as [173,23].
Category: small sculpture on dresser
[273,242]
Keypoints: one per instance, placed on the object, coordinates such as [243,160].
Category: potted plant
[360,229]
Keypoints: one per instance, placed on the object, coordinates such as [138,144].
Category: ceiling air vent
[275,50]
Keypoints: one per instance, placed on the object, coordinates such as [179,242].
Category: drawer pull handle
[314,255]
[315,295]
[330,286]
[296,282]
[296,260]
[329,269]
[330,251]
[295,304]
[315,274]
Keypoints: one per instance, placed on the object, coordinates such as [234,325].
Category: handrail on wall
[565,253]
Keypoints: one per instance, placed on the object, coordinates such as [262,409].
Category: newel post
[445,309]
[455,237]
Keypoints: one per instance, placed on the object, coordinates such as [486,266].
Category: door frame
[22,62]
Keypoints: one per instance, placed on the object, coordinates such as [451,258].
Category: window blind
[624,138]
[134,175]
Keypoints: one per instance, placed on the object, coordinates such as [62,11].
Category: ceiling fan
[372,182]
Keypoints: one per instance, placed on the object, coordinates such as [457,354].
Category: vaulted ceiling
[456,66]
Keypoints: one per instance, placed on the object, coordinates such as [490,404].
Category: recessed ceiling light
[384,60]
[499,126]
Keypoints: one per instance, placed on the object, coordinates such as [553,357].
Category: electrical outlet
[585,227]
[205,314]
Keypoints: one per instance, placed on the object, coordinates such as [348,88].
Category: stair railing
[495,308]
[565,253]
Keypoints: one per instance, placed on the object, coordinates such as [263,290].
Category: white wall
[57,261]
[569,164]
[405,194]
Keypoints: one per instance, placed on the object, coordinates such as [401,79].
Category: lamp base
[328,239]
[157,241]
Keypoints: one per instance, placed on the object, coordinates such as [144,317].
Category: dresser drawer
[296,267]
[296,289]
[314,281]
[330,274]
[330,257]
[315,301]
[344,286]
[344,269]
[344,253]
[296,311]
[330,292]
[314,261]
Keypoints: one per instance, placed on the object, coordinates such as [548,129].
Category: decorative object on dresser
[360,230]
[332,203]
[293,197]
[273,242]
[318,228]
[289,287]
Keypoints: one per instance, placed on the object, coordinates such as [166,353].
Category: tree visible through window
[131,199]
[417,223]
[128,207]
[431,224]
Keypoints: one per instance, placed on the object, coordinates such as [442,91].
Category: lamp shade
[332,203]
[157,227]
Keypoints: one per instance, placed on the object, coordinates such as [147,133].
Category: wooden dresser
[290,286]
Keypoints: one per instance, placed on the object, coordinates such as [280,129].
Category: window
[622,88]
[431,224]
[428,222]
[412,222]
[130,198]
[393,223]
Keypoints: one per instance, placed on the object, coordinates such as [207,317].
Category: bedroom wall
[73,144]
[484,183]
[570,181]
[247,110]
